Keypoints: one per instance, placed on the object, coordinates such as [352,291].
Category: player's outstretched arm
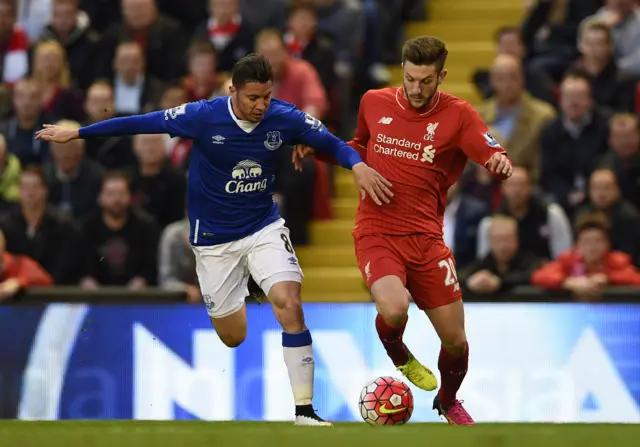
[149,123]
[180,121]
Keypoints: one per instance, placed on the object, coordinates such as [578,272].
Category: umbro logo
[385,120]
[218,139]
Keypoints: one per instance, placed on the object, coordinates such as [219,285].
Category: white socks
[298,356]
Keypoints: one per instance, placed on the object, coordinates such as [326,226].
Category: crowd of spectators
[563,96]
[111,212]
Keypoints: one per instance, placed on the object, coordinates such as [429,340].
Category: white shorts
[223,270]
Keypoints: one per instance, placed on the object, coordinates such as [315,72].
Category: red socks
[391,338]
[452,371]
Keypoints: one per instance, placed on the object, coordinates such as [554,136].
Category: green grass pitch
[256,434]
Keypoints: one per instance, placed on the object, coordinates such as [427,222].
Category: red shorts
[425,265]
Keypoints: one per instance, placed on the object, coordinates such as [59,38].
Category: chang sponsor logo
[247,177]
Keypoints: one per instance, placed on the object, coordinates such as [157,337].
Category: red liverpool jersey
[421,152]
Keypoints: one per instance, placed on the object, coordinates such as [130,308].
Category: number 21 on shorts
[451,278]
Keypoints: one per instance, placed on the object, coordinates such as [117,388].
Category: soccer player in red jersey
[420,139]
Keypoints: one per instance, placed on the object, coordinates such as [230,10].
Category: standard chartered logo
[246,178]
[403,148]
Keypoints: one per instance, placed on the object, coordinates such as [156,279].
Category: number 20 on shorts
[451,278]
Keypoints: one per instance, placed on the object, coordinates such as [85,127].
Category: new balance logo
[385,120]
[218,139]
[428,154]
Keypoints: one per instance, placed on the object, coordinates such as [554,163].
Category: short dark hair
[251,68]
[117,175]
[425,50]
[577,73]
[37,171]
[593,221]
[503,31]
[301,5]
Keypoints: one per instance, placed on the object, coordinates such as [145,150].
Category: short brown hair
[301,5]
[201,47]
[117,175]
[37,171]
[269,33]
[425,50]
[593,221]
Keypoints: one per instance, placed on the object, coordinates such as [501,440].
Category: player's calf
[297,346]
[231,329]
[392,303]
[453,362]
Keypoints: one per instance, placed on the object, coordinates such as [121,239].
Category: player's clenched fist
[371,183]
[500,166]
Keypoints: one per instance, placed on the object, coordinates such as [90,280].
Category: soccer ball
[386,401]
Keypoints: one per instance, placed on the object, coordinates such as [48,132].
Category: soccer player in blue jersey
[236,228]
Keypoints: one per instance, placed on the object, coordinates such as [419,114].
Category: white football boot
[306,416]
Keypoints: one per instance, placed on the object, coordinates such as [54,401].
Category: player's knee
[393,309]
[285,296]
[455,342]
[391,299]
[233,340]
[394,313]
[288,310]
[290,316]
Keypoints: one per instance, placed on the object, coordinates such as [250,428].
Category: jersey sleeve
[185,120]
[182,121]
[311,132]
[475,139]
[361,138]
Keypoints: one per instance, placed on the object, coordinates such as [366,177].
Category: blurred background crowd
[562,95]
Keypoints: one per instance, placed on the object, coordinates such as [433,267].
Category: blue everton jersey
[233,164]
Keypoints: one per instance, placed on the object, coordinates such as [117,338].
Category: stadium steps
[333,280]
[468,27]
[326,256]
[356,297]
[332,233]
[345,208]
[502,11]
